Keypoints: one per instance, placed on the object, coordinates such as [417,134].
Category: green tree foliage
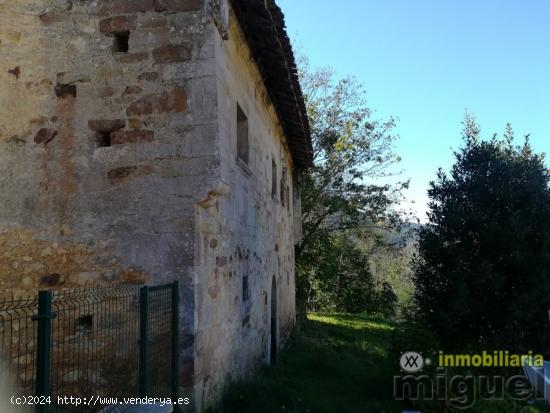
[341,199]
[482,273]
[387,300]
[390,263]
[341,280]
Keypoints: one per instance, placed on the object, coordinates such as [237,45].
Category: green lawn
[340,364]
[337,363]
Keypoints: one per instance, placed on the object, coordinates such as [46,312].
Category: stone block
[172,53]
[105,125]
[51,18]
[106,92]
[178,5]
[131,57]
[126,6]
[132,90]
[172,225]
[45,135]
[83,278]
[188,167]
[117,24]
[166,102]
[131,136]
[51,280]
[153,21]
[124,173]
[148,76]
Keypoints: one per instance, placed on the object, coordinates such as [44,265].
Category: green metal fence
[18,343]
[112,341]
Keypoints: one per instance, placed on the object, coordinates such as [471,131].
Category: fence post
[143,341]
[44,347]
[175,344]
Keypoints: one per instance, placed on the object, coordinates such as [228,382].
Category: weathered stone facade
[118,162]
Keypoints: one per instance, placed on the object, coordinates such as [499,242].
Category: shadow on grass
[336,363]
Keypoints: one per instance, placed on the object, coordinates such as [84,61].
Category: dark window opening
[62,90]
[273,179]
[287,196]
[242,136]
[103,139]
[283,187]
[121,42]
[85,324]
[246,289]
[274,321]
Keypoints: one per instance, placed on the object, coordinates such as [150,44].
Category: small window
[62,90]
[287,193]
[283,187]
[103,139]
[85,324]
[121,42]
[273,179]
[246,289]
[242,136]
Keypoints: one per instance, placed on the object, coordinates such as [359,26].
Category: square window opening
[85,324]
[242,136]
[103,139]
[121,42]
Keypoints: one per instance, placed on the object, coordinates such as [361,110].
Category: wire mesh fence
[94,343]
[160,333]
[18,343]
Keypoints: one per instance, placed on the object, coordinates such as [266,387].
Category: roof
[263,24]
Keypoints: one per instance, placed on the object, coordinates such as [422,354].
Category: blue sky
[428,61]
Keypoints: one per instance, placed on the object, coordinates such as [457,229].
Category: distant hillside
[406,237]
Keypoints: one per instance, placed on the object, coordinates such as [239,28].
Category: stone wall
[108,139]
[118,145]
[244,229]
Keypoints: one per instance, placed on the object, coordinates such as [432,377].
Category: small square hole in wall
[121,42]
[85,324]
[103,139]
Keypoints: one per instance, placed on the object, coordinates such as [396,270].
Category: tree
[387,300]
[341,194]
[482,272]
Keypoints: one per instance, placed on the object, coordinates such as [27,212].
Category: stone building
[153,140]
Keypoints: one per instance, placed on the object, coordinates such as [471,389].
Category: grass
[341,364]
[337,363]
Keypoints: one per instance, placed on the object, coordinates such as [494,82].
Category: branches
[350,148]
[342,200]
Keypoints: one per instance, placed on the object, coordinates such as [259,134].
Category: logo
[411,361]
